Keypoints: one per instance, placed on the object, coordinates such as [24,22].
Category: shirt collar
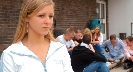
[84,44]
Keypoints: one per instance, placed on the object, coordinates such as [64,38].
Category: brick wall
[68,13]
[9,11]
[75,13]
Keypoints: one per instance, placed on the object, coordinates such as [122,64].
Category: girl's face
[129,43]
[41,22]
[97,29]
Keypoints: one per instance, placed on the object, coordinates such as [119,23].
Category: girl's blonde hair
[87,31]
[98,34]
[93,32]
[28,9]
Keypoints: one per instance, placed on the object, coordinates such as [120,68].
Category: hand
[111,59]
[91,48]
[108,52]
[131,58]
[76,43]
[118,53]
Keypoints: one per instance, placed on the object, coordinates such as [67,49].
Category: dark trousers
[129,62]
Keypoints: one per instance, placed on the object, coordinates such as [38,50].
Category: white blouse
[18,58]
[100,38]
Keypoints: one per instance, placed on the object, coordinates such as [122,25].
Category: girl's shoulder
[14,47]
[101,34]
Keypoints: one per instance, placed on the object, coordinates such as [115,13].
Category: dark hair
[130,38]
[113,36]
[86,39]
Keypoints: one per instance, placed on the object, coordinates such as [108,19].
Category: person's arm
[104,45]
[7,64]
[131,58]
[91,48]
[95,42]
[66,60]
[122,46]
[100,38]
[126,52]
[72,45]
[91,56]
[76,43]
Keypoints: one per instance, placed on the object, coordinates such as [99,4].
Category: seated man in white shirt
[66,39]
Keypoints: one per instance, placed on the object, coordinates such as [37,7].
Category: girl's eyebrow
[45,13]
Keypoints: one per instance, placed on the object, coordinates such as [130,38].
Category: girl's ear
[27,19]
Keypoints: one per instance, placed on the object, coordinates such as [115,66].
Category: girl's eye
[51,16]
[41,16]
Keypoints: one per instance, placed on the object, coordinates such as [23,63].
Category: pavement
[120,69]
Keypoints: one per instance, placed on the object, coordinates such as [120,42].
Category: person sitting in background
[95,42]
[87,31]
[85,59]
[96,46]
[66,39]
[78,37]
[116,49]
[98,34]
[128,48]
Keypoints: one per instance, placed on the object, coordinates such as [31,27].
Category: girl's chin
[45,34]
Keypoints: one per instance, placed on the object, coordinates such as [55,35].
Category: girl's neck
[35,40]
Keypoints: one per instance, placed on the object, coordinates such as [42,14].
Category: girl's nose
[48,20]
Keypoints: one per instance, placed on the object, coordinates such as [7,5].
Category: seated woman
[95,42]
[98,34]
[128,48]
[85,59]
[87,31]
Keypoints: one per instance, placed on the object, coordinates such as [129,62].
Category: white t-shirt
[18,58]
[63,41]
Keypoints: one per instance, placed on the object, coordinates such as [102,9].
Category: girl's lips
[45,27]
